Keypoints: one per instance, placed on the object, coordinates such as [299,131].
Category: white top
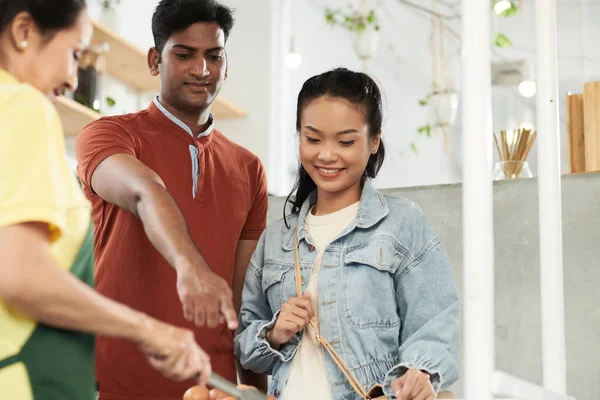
[308,376]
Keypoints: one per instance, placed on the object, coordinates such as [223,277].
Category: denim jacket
[387,298]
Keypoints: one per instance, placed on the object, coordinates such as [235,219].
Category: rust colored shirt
[221,190]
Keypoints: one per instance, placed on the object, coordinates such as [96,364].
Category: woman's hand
[295,315]
[174,352]
[413,385]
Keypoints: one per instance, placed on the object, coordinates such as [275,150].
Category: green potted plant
[363,25]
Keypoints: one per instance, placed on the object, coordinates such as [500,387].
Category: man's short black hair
[172,16]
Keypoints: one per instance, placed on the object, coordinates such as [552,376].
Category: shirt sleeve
[33,167]
[97,142]
[257,217]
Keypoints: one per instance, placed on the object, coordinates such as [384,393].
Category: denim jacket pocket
[369,275]
[276,282]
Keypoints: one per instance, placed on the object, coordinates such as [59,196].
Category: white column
[478,236]
[551,256]
[280,136]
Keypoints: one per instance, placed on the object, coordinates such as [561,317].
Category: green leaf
[425,130]
[511,11]
[423,102]
[377,28]
[371,17]
[330,18]
[413,147]
[502,41]
[360,27]
[110,102]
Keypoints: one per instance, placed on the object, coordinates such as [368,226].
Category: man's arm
[123,180]
[243,254]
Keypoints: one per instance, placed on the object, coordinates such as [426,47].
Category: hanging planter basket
[365,43]
[443,108]
[363,25]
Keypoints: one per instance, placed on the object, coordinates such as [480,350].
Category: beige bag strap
[334,355]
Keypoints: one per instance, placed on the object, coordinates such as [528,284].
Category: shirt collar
[372,208]
[6,77]
[181,124]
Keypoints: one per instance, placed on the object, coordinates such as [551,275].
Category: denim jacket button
[311,247]
[276,393]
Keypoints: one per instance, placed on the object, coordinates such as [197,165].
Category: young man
[178,207]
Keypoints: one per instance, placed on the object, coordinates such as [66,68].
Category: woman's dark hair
[172,16]
[49,15]
[360,90]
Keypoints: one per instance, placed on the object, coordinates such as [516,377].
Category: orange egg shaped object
[196,393]
[216,394]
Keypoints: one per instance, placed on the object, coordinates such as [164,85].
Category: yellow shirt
[36,184]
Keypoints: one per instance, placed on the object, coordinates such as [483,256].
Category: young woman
[48,308]
[376,282]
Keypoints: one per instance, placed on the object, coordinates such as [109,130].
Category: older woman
[49,312]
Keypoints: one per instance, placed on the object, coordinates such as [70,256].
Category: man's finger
[188,309]
[228,312]
[199,315]
[212,313]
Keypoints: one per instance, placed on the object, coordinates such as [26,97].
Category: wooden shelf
[125,61]
[222,109]
[129,64]
[74,116]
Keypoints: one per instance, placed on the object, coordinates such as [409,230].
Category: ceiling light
[527,88]
[292,58]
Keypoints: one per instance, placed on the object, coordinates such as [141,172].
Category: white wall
[261,84]
[402,69]
[249,49]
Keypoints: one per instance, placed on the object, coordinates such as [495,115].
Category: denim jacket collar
[372,208]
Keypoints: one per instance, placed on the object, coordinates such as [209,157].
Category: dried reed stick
[513,154]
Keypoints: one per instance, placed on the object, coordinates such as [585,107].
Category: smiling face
[49,61]
[192,66]
[335,146]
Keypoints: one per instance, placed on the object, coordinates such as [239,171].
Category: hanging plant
[354,21]
[510,11]
[504,8]
[363,25]
[109,5]
[502,41]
